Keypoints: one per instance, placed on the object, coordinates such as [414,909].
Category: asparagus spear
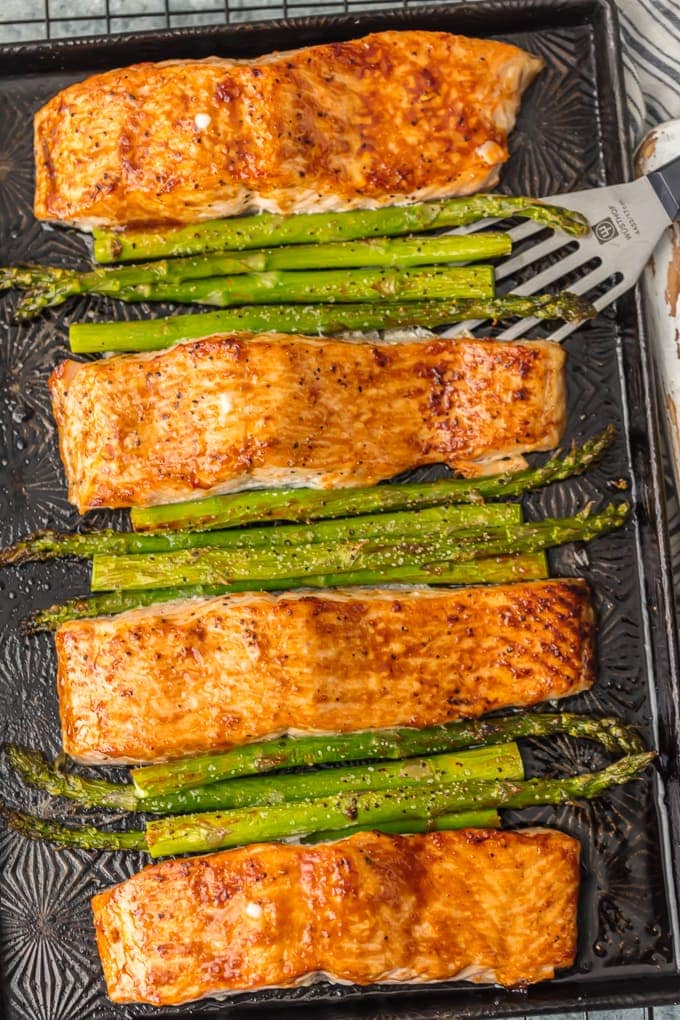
[502,569]
[291,752]
[47,545]
[465,820]
[85,838]
[502,761]
[36,770]
[328,319]
[29,276]
[48,286]
[326,286]
[267,229]
[91,838]
[314,504]
[225,566]
[218,830]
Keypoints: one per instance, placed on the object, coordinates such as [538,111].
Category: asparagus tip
[594,447]
[34,623]
[24,309]
[26,549]
[618,511]
[19,821]
[51,618]
[632,766]
[613,515]
[574,223]
[87,838]
[577,459]
[27,762]
[618,738]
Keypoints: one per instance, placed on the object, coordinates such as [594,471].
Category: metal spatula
[626,221]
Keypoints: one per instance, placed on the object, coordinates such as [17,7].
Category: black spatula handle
[666,183]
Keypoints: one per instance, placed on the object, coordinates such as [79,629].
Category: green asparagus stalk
[217,830]
[325,319]
[501,761]
[500,570]
[36,770]
[237,233]
[315,504]
[372,745]
[92,838]
[29,276]
[200,833]
[48,286]
[47,545]
[84,838]
[225,566]
[326,286]
[465,820]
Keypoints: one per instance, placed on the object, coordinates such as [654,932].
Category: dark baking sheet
[571,134]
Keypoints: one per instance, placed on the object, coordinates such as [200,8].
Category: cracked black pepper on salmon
[239,411]
[390,118]
[204,675]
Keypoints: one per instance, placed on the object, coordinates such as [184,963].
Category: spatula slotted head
[626,222]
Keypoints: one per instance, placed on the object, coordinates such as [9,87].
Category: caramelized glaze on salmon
[392,117]
[206,674]
[232,412]
[484,906]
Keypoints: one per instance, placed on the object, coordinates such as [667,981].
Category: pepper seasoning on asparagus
[92,838]
[224,566]
[407,503]
[371,745]
[49,286]
[215,830]
[499,761]
[315,504]
[221,829]
[213,781]
[302,286]
[324,319]
[498,570]
[265,229]
[46,545]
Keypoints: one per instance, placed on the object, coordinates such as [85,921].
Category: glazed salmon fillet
[204,675]
[394,117]
[234,412]
[479,905]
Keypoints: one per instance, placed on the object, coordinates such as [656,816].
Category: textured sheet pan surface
[570,135]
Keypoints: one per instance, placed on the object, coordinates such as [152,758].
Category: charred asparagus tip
[27,549]
[85,838]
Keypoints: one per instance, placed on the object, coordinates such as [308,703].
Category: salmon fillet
[393,117]
[232,412]
[475,905]
[207,674]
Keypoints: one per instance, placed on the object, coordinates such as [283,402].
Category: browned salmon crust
[392,117]
[232,412]
[204,675]
[484,906]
